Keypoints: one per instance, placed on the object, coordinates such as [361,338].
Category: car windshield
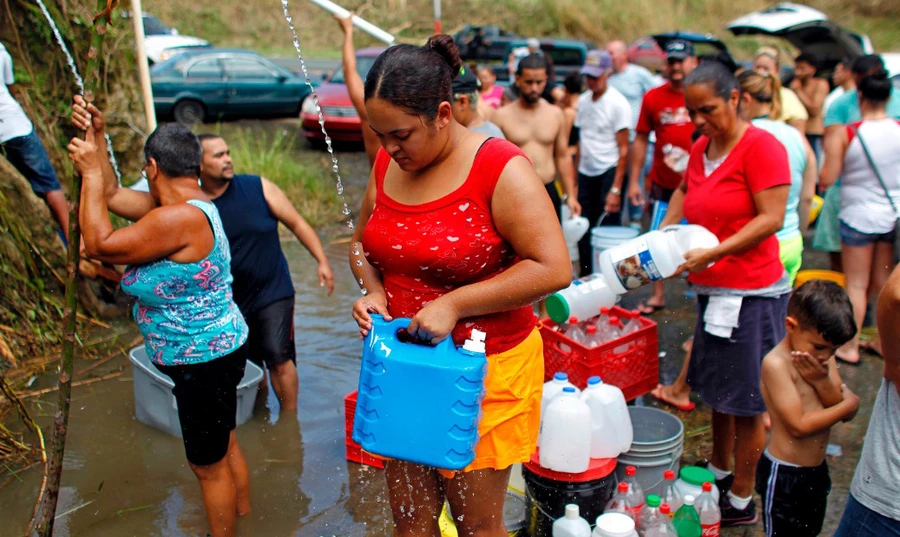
[363,64]
[566,56]
[153,26]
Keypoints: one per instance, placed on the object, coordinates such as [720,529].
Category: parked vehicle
[483,43]
[567,55]
[341,120]
[807,29]
[208,84]
[162,43]
[649,51]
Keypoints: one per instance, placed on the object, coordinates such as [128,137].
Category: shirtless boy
[805,398]
[539,129]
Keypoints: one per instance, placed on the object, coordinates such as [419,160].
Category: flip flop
[657,394]
[868,347]
[653,308]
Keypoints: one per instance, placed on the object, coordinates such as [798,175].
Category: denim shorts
[851,237]
[860,521]
[28,155]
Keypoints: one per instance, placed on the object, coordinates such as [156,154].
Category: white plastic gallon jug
[582,299]
[652,256]
[573,230]
[552,388]
[614,525]
[566,434]
[612,434]
[571,525]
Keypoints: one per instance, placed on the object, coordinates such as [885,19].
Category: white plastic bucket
[605,237]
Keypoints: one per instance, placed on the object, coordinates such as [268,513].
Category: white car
[807,29]
[162,42]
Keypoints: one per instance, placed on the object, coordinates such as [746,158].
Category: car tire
[189,112]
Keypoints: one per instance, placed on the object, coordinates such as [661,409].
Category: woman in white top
[867,214]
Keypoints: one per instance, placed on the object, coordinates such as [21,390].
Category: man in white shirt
[601,129]
[23,148]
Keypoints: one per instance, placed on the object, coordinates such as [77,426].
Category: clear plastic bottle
[571,525]
[649,514]
[574,331]
[632,322]
[635,492]
[686,520]
[591,338]
[710,515]
[670,493]
[620,502]
[602,320]
[662,526]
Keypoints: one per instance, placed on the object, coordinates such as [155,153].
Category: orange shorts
[511,409]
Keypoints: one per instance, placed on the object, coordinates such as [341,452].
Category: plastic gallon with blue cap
[419,402]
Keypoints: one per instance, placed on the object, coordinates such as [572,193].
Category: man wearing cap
[663,112]
[465,104]
[601,130]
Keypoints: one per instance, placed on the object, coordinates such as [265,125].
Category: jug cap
[475,343]
[572,511]
[568,389]
[696,476]
[653,500]
[560,376]
[557,308]
[594,380]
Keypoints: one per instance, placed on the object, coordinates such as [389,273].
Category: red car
[341,119]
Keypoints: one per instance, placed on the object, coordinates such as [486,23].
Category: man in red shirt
[663,112]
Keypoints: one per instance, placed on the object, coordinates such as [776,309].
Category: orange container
[354,451]
[806,275]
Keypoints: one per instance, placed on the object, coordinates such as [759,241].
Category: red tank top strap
[490,162]
[382,160]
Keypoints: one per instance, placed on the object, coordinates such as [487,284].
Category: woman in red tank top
[456,232]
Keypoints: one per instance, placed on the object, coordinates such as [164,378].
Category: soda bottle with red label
[708,508]
[635,492]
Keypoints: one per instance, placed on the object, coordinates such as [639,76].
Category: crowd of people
[459,228]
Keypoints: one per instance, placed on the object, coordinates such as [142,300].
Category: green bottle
[687,521]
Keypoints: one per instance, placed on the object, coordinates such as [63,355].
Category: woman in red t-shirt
[736,185]
[456,232]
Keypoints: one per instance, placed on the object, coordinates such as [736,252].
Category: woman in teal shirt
[180,277]
[760,99]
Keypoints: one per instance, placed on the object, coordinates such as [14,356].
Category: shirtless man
[539,129]
[805,398]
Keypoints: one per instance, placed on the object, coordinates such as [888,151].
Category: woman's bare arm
[808,190]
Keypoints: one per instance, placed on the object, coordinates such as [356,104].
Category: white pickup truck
[162,42]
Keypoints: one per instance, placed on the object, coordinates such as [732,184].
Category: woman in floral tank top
[179,273]
[456,232]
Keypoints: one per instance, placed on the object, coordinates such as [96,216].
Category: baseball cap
[533,43]
[597,63]
[679,49]
[466,82]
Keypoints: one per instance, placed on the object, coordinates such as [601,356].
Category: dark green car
[211,84]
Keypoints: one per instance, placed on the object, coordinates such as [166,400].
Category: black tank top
[261,274]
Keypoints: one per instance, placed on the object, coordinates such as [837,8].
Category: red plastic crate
[355,453]
[630,362]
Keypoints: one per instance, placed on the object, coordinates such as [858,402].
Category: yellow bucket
[806,275]
[815,208]
[513,514]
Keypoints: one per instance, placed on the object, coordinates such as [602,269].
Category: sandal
[649,309]
[843,360]
[657,394]
[868,347]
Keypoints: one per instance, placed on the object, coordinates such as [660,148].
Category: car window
[207,68]
[566,56]
[153,26]
[363,65]
[247,69]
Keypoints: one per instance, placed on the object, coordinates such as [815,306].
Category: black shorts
[206,395]
[271,339]
[554,198]
[660,193]
[794,498]
[725,373]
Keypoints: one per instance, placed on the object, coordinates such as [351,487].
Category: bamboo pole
[45,506]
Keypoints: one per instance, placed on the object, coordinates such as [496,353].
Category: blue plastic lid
[561,376]
[594,380]
[568,389]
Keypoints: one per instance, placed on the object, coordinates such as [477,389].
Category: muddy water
[125,479]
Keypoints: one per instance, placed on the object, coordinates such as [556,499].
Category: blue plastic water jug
[417,402]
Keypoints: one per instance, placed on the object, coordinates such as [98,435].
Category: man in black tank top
[251,208]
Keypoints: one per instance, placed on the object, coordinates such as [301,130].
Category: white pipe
[437,17]
[362,24]
[137,17]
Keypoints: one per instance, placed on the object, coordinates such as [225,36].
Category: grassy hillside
[260,26]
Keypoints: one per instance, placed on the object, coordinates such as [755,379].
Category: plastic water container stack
[576,428]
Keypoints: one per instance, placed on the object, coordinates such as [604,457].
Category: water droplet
[364,291]
[358,263]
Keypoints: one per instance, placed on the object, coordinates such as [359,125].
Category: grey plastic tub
[657,446]
[154,404]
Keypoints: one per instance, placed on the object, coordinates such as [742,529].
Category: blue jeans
[27,154]
[860,521]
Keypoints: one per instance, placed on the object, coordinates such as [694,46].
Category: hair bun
[444,45]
